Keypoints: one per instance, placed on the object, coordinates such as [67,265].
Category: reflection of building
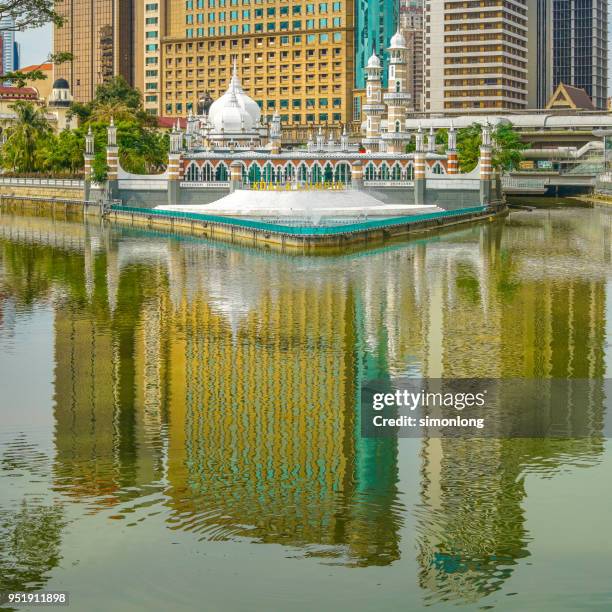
[99,34]
[107,436]
[230,377]
[264,433]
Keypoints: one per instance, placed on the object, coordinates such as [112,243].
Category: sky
[35,45]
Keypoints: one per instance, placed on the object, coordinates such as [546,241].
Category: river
[178,423]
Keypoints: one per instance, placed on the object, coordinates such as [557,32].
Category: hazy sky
[35,45]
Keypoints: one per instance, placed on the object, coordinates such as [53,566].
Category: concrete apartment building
[411,21]
[475,55]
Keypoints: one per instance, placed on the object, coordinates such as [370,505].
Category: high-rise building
[475,55]
[100,36]
[7,38]
[540,50]
[411,26]
[149,27]
[295,59]
[580,46]
[375,24]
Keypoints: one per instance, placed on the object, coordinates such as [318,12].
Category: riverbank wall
[300,239]
[42,188]
[245,231]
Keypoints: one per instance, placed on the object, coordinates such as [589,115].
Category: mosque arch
[342,173]
[370,172]
[193,172]
[221,172]
[207,172]
[254,173]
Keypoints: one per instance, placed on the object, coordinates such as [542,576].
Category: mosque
[228,147]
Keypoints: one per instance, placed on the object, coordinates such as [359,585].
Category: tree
[507,150]
[29,129]
[116,94]
[29,14]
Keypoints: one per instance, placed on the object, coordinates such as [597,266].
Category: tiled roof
[18,93]
[170,122]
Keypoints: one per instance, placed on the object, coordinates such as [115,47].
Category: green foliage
[507,147]
[24,137]
[29,14]
[33,147]
[113,99]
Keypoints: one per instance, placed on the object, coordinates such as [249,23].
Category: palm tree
[105,111]
[28,130]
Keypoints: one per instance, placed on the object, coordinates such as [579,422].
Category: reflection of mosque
[234,375]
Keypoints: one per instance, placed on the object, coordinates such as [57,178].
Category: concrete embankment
[300,239]
[246,231]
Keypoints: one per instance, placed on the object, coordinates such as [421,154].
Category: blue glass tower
[375,24]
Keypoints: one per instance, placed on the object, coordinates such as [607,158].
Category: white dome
[234,109]
[373,62]
[230,117]
[398,41]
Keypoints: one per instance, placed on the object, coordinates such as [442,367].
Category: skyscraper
[375,24]
[100,36]
[7,38]
[540,14]
[580,46]
[475,55]
[411,26]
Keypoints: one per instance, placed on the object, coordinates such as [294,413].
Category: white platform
[252,203]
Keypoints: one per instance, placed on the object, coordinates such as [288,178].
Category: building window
[151,7]
[322,116]
[337,36]
[151,34]
[337,22]
[297,9]
[324,38]
[189,5]
[323,23]
[151,20]
[323,7]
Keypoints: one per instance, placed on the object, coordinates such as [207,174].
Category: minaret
[275,134]
[397,97]
[89,158]
[485,166]
[373,108]
[112,160]
[451,151]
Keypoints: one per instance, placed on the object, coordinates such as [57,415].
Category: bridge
[541,183]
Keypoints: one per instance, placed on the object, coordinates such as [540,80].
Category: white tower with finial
[373,108]
[397,98]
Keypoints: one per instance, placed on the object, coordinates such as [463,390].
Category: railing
[205,184]
[303,231]
[524,183]
[377,183]
[15,180]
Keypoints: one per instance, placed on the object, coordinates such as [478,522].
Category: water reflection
[222,382]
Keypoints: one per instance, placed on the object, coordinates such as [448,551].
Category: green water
[179,427]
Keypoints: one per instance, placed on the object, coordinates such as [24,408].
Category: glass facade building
[375,23]
[99,34]
[580,46]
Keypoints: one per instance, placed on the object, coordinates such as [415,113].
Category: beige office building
[475,55]
[293,58]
